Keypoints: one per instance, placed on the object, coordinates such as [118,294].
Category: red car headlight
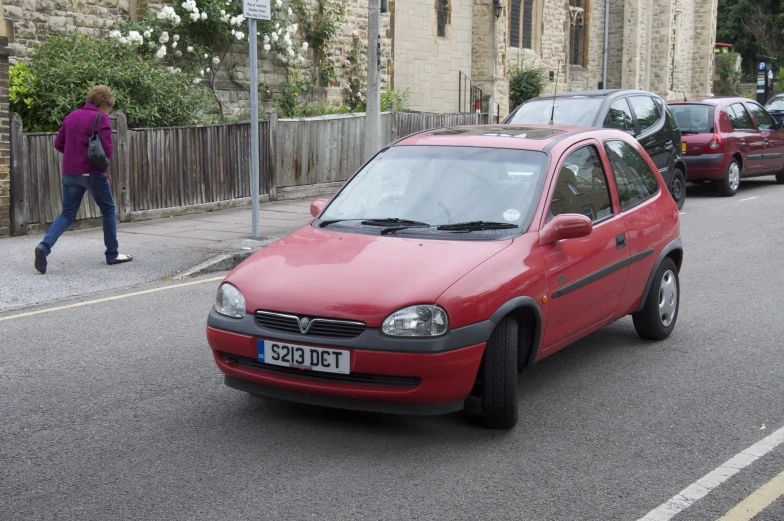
[421,321]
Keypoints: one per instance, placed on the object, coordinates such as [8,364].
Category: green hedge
[64,68]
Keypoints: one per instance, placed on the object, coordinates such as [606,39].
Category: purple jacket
[74,136]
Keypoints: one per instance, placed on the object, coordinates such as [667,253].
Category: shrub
[525,83]
[728,81]
[64,68]
[356,72]
[20,96]
[288,104]
[400,98]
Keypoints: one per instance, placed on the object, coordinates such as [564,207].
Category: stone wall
[615,48]
[35,20]
[589,77]
[489,52]
[425,64]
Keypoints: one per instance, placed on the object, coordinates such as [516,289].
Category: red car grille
[315,326]
[352,378]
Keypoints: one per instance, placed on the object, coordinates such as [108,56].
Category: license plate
[304,357]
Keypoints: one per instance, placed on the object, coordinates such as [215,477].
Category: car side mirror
[317,206]
[565,226]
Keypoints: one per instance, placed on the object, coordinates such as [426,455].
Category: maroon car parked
[727,139]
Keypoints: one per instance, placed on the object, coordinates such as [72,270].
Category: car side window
[634,178]
[764,121]
[581,186]
[645,110]
[739,117]
[619,116]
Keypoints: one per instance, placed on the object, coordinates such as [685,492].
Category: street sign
[253,10]
[257,9]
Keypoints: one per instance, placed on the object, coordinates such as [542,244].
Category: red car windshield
[442,185]
[693,119]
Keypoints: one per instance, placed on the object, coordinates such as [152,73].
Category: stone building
[665,46]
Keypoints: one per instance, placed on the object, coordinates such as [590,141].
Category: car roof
[708,100]
[604,93]
[525,137]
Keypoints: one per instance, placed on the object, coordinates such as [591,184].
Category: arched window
[524,21]
[442,17]
[578,42]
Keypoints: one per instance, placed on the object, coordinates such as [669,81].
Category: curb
[225,262]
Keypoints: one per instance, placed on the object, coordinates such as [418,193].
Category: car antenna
[684,96]
[557,73]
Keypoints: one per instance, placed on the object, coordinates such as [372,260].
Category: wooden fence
[181,168]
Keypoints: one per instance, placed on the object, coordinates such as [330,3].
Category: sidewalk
[163,248]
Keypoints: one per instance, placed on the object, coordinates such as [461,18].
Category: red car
[448,263]
[726,139]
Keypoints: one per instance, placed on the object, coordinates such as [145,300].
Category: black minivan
[642,114]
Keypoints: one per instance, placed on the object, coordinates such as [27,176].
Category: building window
[442,17]
[522,30]
[577,32]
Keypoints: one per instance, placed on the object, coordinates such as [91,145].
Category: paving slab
[169,247]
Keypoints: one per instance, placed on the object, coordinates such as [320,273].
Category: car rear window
[693,118]
[776,104]
[577,111]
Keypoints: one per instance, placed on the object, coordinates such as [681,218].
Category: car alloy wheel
[734,174]
[668,298]
[729,185]
[656,318]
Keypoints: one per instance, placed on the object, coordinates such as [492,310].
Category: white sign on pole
[259,9]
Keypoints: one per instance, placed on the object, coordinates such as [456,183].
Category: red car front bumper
[383,381]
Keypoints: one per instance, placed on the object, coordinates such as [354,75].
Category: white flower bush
[135,38]
[167,13]
[188,40]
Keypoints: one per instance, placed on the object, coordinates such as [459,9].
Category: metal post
[373,109]
[606,42]
[254,127]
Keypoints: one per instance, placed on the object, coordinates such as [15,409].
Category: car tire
[780,178]
[678,187]
[525,338]
[657,318]
[728,186]
[499,376]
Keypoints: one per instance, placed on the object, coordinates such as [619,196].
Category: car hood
[328,273]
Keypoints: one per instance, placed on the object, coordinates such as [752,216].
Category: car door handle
[742,141]
[765,141]
[669,146]
[620,241]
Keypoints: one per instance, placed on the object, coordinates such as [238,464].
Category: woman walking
[80,176]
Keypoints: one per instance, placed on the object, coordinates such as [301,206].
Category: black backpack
[95,152]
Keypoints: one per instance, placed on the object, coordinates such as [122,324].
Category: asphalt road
[115,410]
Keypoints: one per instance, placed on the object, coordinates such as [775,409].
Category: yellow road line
[757,501]
[107,299]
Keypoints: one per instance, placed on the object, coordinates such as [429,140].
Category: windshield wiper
[476,225]
[395,229]
[392,220]
[322,224]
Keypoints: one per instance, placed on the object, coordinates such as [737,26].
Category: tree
[753,27]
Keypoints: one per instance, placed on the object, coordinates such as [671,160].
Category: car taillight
[715,143]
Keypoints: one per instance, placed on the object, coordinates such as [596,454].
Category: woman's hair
[101,96]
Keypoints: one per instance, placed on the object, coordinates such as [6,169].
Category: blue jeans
[74,187]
